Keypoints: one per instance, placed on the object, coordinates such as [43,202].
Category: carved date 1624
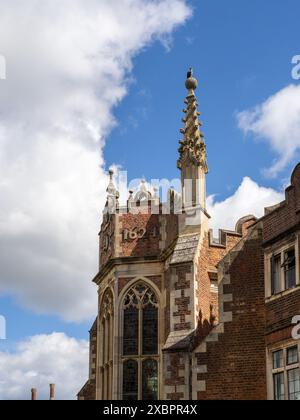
[139,233]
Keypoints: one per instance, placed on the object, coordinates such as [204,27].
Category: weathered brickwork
[207,293]
[231,362]
[287,215]
[139,235]
[281,311]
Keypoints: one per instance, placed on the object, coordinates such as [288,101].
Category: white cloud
[249,198]
[68,63]
[41,360]
[277,121]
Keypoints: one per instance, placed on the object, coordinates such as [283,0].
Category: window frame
[273,260]
[140,358]
[284,264]
[105,356]
[285,369]
[270,254]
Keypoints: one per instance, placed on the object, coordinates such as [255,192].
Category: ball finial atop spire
[191,83]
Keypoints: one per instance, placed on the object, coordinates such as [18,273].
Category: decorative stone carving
[192,148]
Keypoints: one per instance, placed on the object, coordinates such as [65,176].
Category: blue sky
[241,52]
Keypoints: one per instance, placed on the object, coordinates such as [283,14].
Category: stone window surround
[270,371]
[140,359]
[281,249]
[106,325]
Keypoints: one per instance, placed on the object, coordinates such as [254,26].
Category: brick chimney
[33,394]
[52,392]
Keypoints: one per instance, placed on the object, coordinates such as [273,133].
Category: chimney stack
[33,394]
[52,392]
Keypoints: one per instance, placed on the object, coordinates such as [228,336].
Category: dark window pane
[278,359]
[150,380]
[279,387]
[276,271]
[290,269]
[150,330]
[140,288]
[292,355]
[130,340]
[294,384]
[130,380]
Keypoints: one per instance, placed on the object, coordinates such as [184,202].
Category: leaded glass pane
[290,269]
[131,336]
[279,387]
[140,288]
[150,330]
[278,359]
[294,384]
[292,355]
[130,380]
[150,380]
[276,274]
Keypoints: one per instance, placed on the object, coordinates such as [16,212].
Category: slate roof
[185,249]
[179,340]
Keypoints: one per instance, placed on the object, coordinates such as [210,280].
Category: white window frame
[285,369]
[280,250]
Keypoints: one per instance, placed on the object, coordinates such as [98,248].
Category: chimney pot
[33,394]
[52,392]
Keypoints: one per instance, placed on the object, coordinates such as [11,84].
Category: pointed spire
[192,146]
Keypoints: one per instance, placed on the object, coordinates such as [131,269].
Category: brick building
[185,316]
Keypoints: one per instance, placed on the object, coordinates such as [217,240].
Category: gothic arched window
[140,344]
[106,318]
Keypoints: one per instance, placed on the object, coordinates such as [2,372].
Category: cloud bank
[41,360]
[68,64]
[276,121]
[249,198]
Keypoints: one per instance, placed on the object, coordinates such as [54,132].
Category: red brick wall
[281,311]
[281,226]
[146,246]
[209,257]
[287,215]
[279,336]
[236,363]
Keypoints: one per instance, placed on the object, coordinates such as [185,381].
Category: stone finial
[112,193]
[111,189]
[192,146]
[191,83]
[142,194]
